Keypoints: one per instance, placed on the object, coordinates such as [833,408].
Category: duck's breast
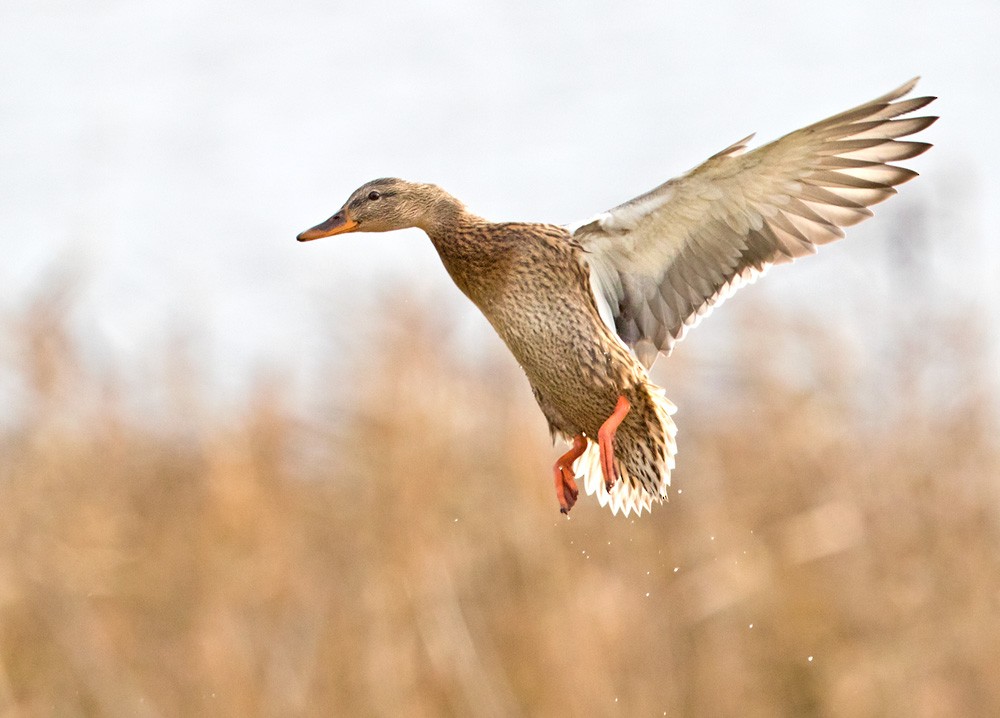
[543,310]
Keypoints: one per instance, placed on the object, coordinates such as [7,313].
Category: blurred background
[242,476]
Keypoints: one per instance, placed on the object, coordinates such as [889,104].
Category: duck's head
[386,204]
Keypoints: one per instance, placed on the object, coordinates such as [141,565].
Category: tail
[645,458]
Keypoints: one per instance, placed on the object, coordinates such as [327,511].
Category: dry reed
[397,551]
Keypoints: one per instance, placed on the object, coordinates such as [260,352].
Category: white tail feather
[624,496]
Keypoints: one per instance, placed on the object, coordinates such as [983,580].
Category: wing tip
[737,148]
[906,87]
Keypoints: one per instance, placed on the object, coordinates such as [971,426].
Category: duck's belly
[576,368]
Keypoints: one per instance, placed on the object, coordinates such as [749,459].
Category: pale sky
[167,153]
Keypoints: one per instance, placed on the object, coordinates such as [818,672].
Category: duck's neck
[451,227]
[470,252]
[445,215]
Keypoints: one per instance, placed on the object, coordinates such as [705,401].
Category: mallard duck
[586,309]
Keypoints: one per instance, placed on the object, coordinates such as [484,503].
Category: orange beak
[339,223]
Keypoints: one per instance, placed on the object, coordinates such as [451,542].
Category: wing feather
[661,261]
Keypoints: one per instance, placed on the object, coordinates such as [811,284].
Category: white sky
[167,152]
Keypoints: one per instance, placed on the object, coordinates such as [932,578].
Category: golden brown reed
[398,551]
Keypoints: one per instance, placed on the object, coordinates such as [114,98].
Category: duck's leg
[606,439]
[566,490]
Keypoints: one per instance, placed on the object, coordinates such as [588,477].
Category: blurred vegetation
[833,547]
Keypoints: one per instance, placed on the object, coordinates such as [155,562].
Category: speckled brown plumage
[586,311]
[532,284]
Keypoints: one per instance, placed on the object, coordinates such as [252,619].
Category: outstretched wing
[661,261]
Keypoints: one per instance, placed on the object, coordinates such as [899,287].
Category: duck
[587,308]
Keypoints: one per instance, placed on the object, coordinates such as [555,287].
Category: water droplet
[751,625]
[647,594]
[810,659]
[676,569]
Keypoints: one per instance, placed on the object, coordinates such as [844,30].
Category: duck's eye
[374,195]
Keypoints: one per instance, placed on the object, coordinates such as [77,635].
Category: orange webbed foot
[606,439]
[566,489]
